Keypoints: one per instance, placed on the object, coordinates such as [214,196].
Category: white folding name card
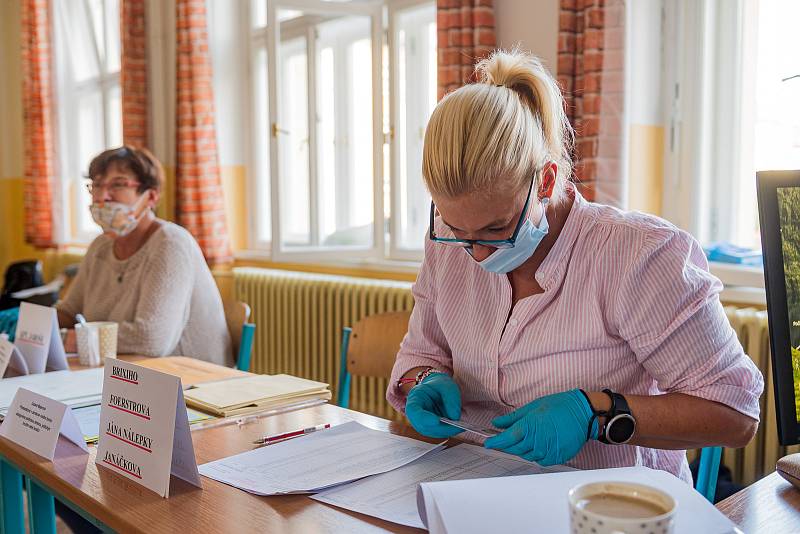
[6,350]
[35,421]
[144,429]
[38,339]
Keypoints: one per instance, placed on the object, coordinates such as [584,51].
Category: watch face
[620,429]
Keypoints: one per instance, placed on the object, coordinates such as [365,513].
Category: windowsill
[742,284]
[372,268]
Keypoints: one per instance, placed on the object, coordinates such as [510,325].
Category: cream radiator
[300,316]
[758,458]
[299,319]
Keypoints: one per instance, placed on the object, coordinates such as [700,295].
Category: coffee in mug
[617,507]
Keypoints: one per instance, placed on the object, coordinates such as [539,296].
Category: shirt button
[512,322]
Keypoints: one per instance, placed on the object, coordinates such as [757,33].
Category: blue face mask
[505,260]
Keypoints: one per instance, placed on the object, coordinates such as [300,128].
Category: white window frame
[68,94]
[396,154]
[374,10]
[704,71]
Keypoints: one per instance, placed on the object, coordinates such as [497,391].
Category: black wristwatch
[620,423]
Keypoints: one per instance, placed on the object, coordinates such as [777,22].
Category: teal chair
[241,331]
[708,471]
[8,322]
[369,348]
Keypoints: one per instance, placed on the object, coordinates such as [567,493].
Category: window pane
[359,218]
[112,35]
[263,224]
[293,144]
[326,138]
[258,13]
[114,117]
[344,132]
[89,142]
[97,26]
[76,34]
[416,94]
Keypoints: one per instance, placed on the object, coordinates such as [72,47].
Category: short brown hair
[139,161]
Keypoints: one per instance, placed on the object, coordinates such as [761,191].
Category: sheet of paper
[88,418]
[73,388]
[539,503]
[316,461]
[393,496]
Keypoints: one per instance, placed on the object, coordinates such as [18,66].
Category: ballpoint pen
[266,440]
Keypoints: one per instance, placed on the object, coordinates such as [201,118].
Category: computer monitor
[779,213]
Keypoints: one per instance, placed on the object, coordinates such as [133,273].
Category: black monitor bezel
[768,183]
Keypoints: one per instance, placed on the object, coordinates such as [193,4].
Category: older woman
[585,334]
[145,273]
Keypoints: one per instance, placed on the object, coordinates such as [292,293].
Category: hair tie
[499,85]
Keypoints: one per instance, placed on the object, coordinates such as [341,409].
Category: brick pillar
[465,34]
[133,73]
[200,205]
[591,61]
[38,123]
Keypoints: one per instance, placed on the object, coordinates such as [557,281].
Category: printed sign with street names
[35,421]
[144,428]
[38,339]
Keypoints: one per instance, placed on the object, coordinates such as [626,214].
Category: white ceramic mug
[106,342]
[620,508]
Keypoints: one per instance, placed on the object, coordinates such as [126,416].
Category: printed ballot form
[35,422]
[144,429]
[38,340]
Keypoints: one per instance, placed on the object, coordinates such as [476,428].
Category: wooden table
[770,505]
[115,503]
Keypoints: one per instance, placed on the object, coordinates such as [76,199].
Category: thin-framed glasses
[115,186]
[494,243]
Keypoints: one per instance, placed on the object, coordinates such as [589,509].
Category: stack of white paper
[539,503]
[316,461]
[393,496]
[73,388]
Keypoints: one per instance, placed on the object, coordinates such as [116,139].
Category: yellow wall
[646,168]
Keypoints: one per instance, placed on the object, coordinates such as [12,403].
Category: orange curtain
[200,206]
[591,61]
[133,73]
[465,34]
[38,123]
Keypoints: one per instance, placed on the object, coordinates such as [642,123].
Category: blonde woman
[586,335]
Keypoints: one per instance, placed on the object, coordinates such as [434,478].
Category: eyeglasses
[494,243]
[115,186]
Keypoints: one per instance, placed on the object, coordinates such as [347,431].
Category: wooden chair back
[374,343]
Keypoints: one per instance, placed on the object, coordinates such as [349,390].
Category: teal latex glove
[550,430]
[436,396]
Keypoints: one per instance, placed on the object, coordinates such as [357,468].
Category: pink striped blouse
[628,304]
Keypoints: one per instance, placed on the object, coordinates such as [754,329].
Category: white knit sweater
[163,297]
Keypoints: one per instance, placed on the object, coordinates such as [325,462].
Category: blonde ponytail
[499,132]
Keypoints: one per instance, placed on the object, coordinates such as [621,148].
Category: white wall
[533,24]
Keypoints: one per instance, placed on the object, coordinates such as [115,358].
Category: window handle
[276,130]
